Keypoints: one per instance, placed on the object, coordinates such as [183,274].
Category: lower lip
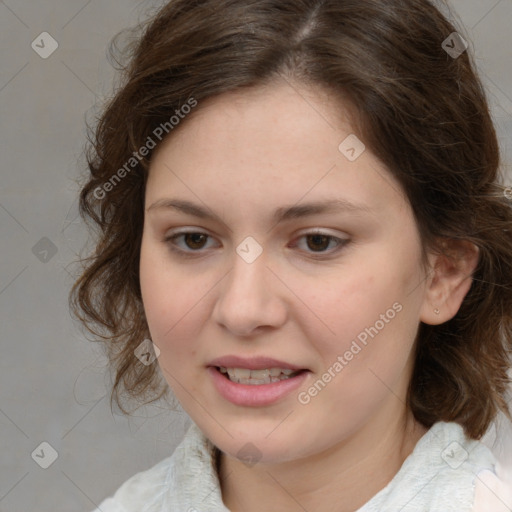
[254,395]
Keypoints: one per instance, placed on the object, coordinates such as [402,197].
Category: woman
[303,233]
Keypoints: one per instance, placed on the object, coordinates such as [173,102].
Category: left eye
[319,242]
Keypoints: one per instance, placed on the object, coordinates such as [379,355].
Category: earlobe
[449,281]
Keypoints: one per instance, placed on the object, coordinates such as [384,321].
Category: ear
[449,280]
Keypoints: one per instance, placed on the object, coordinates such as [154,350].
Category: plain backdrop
[53,384]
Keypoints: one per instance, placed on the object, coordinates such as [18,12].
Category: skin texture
[242,155]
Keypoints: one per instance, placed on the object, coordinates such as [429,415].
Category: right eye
[194,241]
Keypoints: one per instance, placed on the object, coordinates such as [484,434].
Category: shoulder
[493,490]
[439,475]
[172,484]
[454,460]
[140,491]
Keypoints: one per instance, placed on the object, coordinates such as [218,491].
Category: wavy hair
[422,111]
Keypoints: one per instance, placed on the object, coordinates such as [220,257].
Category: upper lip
[252,363]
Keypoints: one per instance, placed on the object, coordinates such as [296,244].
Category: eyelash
[170,241]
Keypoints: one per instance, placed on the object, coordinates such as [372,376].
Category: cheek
[367,313]
[350,301]
[171,300]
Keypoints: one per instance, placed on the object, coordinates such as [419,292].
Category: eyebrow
[280,214]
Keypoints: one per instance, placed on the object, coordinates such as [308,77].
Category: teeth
[256,377]
[257,374]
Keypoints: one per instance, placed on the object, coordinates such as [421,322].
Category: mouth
[257,377]
[255,381]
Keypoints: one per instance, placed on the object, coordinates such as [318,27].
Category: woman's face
[301,250]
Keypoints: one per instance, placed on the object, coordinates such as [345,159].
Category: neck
[343,478]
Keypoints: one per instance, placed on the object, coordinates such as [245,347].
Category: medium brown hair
[422,111]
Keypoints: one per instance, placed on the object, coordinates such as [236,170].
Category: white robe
[446,472]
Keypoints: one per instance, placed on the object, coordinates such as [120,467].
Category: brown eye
[188,243]
[321,245]
[318,242]
[195,240]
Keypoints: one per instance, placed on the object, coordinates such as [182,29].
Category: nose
[250,299]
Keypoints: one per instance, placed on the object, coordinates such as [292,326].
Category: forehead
[268,110]
[270,144]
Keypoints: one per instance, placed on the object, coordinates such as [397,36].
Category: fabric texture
[446,472]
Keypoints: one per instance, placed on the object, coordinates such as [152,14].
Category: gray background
[53,386]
